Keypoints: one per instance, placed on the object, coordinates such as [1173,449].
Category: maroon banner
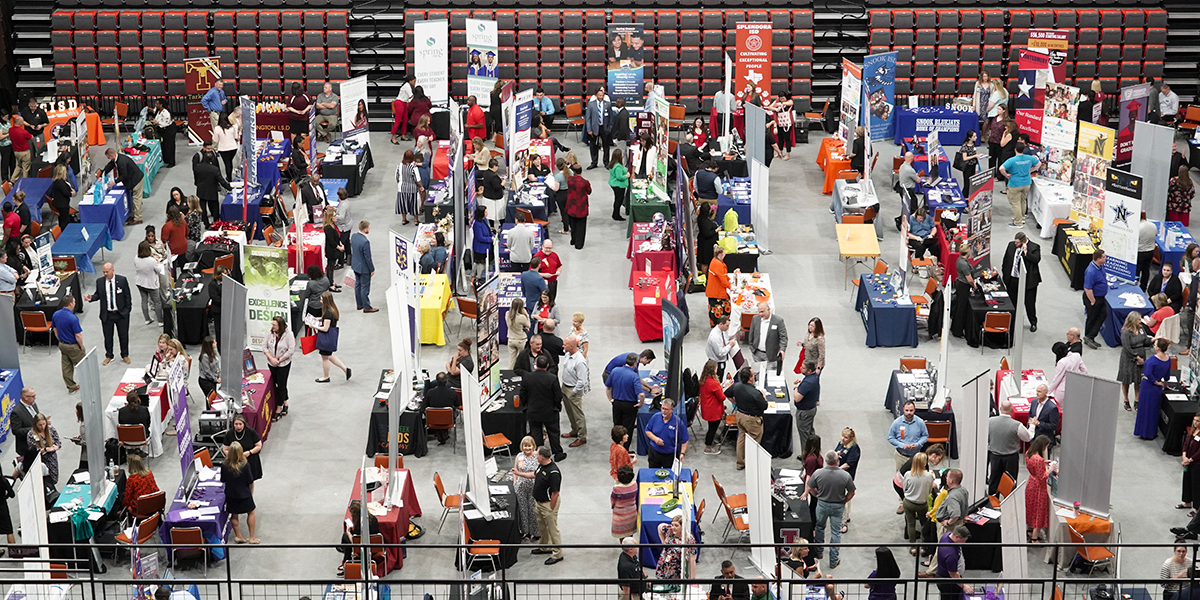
[200,74]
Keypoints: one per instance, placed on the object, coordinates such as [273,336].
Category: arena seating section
[140,53]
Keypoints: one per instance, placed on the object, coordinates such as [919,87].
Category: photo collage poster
[483,59]
[487,336]
[879,87]
[1093,157]
[979,224]
[1059,117]
[1122,215]
[851,99]
[626,63]
[265,272]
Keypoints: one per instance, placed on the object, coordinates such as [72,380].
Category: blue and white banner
[354,109]
[518,139]
[249,135]
[1122,211]
[879,89]
[431,59]
[483,60]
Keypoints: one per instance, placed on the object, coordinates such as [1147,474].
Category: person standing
[549,265]
[130,175]
[363,267]
[950,564]
[239,491]
[408,187]
[712,403]
[476,122]
[750,405]
[970,160]
[227,138]
[210,365]
[547,485]
[668,437]
[543,401]
[1021,248]
[1147,241]
[22,144]
[1154,377]
[520,246]
[278,346]
[1187,316]
[112,292]
[164,126]
[597,123]
[623,386]
[721,346]
[1037,493]
[1180,193]
[716,287]
[518,330]
[1005,435]
[575,383]
[629,571]
[1095,288]
[327,344]
[1044,414]
[909,178]
[768,337]
[70,340]
[618,180]
[533,285]
[578,190]
[22,419]
[400,108]
[833,488]
[214,101]
[312,193]
[807,398]
[918,481]
[907,434]
[1018,170]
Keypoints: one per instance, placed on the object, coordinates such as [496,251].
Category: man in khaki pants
[750,406]
[546,484]
[130,175]
[574,371]
[22,144]
[70,341]
[1018,170]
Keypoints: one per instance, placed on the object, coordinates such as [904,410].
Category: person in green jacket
[618,180]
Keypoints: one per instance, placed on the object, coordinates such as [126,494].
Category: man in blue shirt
[1018,169]
[907,434]
[70,340]
[214,100]
[544,106]
[624,391]
[922,237]
[807,397]
[645,358]
[533,284]
[1095,288]
[668,437]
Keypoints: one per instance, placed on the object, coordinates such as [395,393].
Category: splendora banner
[483,59]
[265,271]
[879,87]
[753,57]
[431,59]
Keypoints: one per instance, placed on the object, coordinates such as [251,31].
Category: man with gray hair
[909,179]
[629,570]
[575,377]
[1005,435]
[833,488]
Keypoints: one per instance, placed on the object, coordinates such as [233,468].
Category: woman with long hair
[1133,353]
[562,172]
[716,287]
[278,346]
[812,460]
[481,241]
[1191,253]
[400,107]
[917,484]
[418,109]
[618,180]
[518,329]
[297,105]
[995,132]
[61,192]
[970,159]
[239,491]
[140,481]
[524,471]
[44,438]
[177,199]
[699,133]
[670,562]
[227,138]
[712,403]
[998,101]
[175,233]
[1180,193]
[1154,378]
[813,345]
[482,156]
[981,102]
[1008,146]
[1175,567]
[423,129]
[194,218]
[210,365]
[785,119]
[885,568]
[1037,493]
[333,248]
[146,271]
[707,236]
[544,311]
[495,110]
[329,321]
[408,187]
[849,453]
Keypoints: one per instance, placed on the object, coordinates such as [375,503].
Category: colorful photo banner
[354,109]
[518,139]
[879,86]
[1122,214]
[487,334]
[626,58]
[851,100]
[753,58]
[979,224]
[662,130]
[431,60]
[1093,156]
[1033,69]
[1055,43]
[265,271]
[1134,105]
[199,76]
[483,60]
[1059,118]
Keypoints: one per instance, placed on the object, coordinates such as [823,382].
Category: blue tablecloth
[35,189]
[921,162]
[739,206]
[231,208]
[269,155]
[652,517]
[539,212]
[1118,310]
[214,527]
[506,264]
[72,243]
[952,198]
[1172,253]
[111,211]
[952,126]
[887,323]
[331,187]
[10,395]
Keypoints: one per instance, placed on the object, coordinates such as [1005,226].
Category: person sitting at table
[668,437]
[1065,361]
[25,260]
[691,150]
[439,394]
[922,237]
[175,354]
[61,193]
[250,441]
[140,481]
[1166,282]
[239,491]
[134,413]
[209,183]
[1162,311]
[735,588]
[706,181]
[350,528]
[528,357]
[459,362]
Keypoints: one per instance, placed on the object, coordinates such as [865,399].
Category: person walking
[1095,288]
[807,398]
[334,249]
[849,453]
[227,138]
[1019,170]
[832,487]
[1021,248]
[543,399]
[668,436]
[750,406]
[547,486]
[768,338]
[209,183]
[1005,435]
[363,267]
[597,126]
[907,434]
[112,292]
[623,386]
[22,142]
[278,346]
[578,190]
[618,180]
[327,337]
[575,383]
[70,340]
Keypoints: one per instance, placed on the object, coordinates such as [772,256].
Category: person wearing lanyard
[624,390]
[750,406]
[668,437]
[112,291]
[1095,288]
[907,434]
[70,340]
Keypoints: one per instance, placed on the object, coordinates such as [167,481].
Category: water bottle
[109,473]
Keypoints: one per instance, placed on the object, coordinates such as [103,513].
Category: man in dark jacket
[112,292]
[528,358]
[363,267]
[543,402]
[22,419]
[694,157]
[312,193]
[491,182]
[209,183]
[551,342]
[750,405]
[130,175]
[620,128]
[1021,246]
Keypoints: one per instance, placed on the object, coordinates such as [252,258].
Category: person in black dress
[707,238]
[60,196]
[6,526]
[333,248]
[353,525]
[251,443]
[239,491]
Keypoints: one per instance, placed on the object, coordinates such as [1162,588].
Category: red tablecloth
[647,309]
[659,259]
[440,168]
[1021,402]
[266,122]
[164,404]
[314,250]
[393,525]
[262,404]
[95,129]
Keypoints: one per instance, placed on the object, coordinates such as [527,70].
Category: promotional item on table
[888,315]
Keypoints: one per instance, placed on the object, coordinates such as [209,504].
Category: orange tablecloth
[95,130]
[1086,524]
[827,146]
[834,165]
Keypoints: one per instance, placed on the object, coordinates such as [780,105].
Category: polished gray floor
[312,454]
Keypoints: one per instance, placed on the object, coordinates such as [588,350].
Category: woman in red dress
[712,403]
[1037,495]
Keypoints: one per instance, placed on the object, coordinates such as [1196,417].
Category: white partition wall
[1089,425]
[31,498]
[972,409]
[758,505]
[1152,160]
[1012,531]
[477,489]
[88,374]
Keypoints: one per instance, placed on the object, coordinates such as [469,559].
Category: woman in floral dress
[525,466]
[1037,495]
[670,562]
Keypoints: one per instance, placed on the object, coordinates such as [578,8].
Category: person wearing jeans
[833,488]
[1095,288]
[363,267]
[807,397]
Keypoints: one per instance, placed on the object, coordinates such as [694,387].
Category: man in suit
[130,175]
[313,194]
[112,292]
[620,128]
[597,124]
[22,419]
[209,183]
[134,412]
[1043,414]
[693,155]
[768,337]
[551,342]
[528,357]
[1022,247]
[543,402]
[363,267]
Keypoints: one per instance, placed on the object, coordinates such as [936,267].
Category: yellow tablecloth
[435,299]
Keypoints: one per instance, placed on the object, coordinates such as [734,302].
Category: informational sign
[518,138]
[85,173]
[249,136]
[1055,43]
[265,272]
[8,401]
[1135,101]
[45,257]
[483,58]
[685,243]
[354,109]
[1093,156]
[851,98]
[933,152]
[753,57]
[662,120]
[487,336]
[183,424]
[979,225]
[1122,214]
[431,60]
[312,139]
[1033,71]
[401,258]
[626,61]
[199,76]
[879,88]
[1059,117]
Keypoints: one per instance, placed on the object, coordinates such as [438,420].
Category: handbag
[327,340]
[958,161]
[348,280]
[308,343]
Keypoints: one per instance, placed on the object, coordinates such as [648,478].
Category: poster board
[1122,211]
[199,76]
[517,141]
[249,137]
[626,63]
[477,489]
[1059,117]
[753,65]
[354,109]
[851,100]
[483,56]
[1089,425]
[265,273]
[1135,102]
[879,88]
[1093,156]
[88,374]
[979,223]
[1033,70]
[758,506]
[487,337]
[662,132]
[86,173]
[431,60]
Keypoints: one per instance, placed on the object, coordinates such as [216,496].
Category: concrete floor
[312,455]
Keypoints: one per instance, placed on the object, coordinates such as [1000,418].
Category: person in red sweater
[21,140]
[578,190]
[476,120]
[140,481]
[12,228]
[174,235]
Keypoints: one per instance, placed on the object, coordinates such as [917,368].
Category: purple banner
[183,432]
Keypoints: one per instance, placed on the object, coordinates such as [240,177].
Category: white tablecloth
[737,308]
[1049,200]
[157,425]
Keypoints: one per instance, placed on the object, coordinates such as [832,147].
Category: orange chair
[37,323]
[477,549]
[853,219]
[7,187]
[1093,555]
[149,504]
[526,216]
[448,501]
[132,437]
[35,228]
[381,461]
[996,322]
[55,231]
[1191,118]
[913,362]
[732,504]
[353,570]
[204,456]
[695,483]
[58,570]
[221,261]
[497,442]
[442,418]
[375,546]
[930,288]
[880,268]
[574,113]
[1004,364]
[700,512]
[188,541]
[145,531]
[467,309]
[1006,485]
[817,117]
[939,432]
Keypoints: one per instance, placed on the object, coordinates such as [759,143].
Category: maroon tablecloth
[393,525]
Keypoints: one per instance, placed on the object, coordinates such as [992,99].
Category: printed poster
[265,271]
[487,336]
[85,175]
[183,424]
[626,59]
[518,137]
[200,75]
[483,59]
[1134,104]
[249,137]
[12,395]
[879,86]
[1122,215]
[1055,43]
[851,97]
[662,130]
[979,225]
[1093,156]
[753,66]
[1059,117]
[354,109]
[431,60]
[1033,72]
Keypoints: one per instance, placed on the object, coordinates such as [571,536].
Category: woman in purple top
[885,568]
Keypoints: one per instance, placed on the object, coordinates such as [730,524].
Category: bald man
[1074,341]
[908,181]
[1044,414]
[1005,435]
[112,292]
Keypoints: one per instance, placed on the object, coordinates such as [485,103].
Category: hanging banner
[354,109]
[1134,104]
[517,139]
[1059,117]
[662,128]
[183,423]
[1122,212]
[626,56]
[487,336]
[199,76]
[879,87]
[851,99]
[312,138]
[979,227]
[1055,43]
[483,57]
[753,57]
[1033,70]
[249,136]
[431,60]
[265,272]
[1093,156]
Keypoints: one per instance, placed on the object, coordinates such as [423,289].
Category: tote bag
[328,340]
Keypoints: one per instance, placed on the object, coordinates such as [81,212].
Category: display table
[835,161]
[921,160]
[260,406]
[980,553]
[646,253]
[355,174]
[1123,298]
[159,408]
[1021,398]
[746,257]
[777,419]
[393,524]
[29,302]
[749,291]
[946,195]
[856,243]
[10,395]
[411,436]
[1074,249]
[539,234]
[80,241]
[506,529]
[536,205]
[271,118]
[849,199]
[739,203]
[1172,239]
[435,301]
[314,246]
[649,290]
[890,318]
[111,210]
[1096,530]
[36,193]
[508,419]
[149,163]
[947,256]
[652,493]
[191,293]
[60,120]
[952,125]
[269,153]
[215,527]
[643,205]
[232,206]
[1049,201]
[994,299]
[828,146]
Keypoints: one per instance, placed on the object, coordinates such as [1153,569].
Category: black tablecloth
[503,529]
[979,310]
[979,557]
[929,415]
[354,174]
[411,439]
[790,519]
[27,303]
[193,323]
[1173,419]
[732,167]
[777,427]
[507,419]
[428,208]
[206,255]
[1072,261]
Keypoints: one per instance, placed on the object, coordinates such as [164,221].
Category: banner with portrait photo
[483,58]
[265,273]
[979,214]
[626,59]
[354,109]
[1093,157]
[431,60]
[1059,117]
[753,66]
[879,87]
[487,337]
[851,99]
[199,76]
[1122,216]
[517,138]
[1135,101]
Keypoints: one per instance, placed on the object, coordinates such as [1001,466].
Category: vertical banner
[199,75]
[518,140]
[879,87]
[1135,101]
[1055,43]
[31,501]
[685,237]
[758,506]
[354,109]
[753,57]
[431,60]
[851,97]
[1059,117]
[662,129]
[249,136]
[1122,212]
[88,372]
[312,139]
[933,152]
[487,336]
[979,227]
[1093,156]
[482,60]
[183,423]
[626,59]
[1033,67]
[85,174]
[265,272]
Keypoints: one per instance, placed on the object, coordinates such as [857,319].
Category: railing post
[228,570]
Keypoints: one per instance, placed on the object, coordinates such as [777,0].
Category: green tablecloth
[643,212]
[148,163]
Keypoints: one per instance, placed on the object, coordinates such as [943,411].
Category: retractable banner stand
[979,227]
[431,59]
[760,175]
[1033,71]
[85,174]
[177,388]
[265,273]
[354,109]
[199,76]
[1135,100]
[10,350]
[1059,116]
[851,97]
[483,58]
[753,57]
[88,374]
[487,337]
[725,116]
[404,347]
[518,139]
[626,63]
[31,501]
[1152,160]
[1089,425]
[685,238]
[973,409]
[758,506]
[249,137]
[1093,157]
[233,339]
[1122,212]
[662,132]
[879,88]
[473,398]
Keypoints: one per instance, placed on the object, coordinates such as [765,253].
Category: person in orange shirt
[717,287]
[476,120]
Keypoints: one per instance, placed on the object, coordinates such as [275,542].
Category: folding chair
[448,501]
[37,323]
[995,322]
